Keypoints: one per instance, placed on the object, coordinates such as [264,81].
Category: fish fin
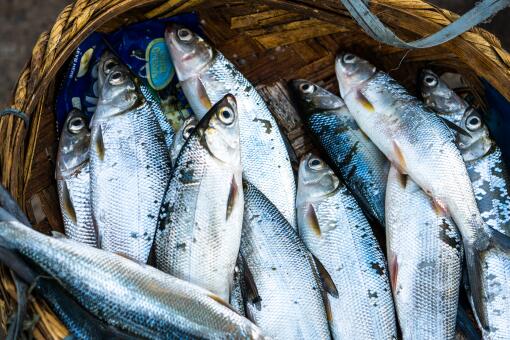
[500,241]
[439,207]
[312,220]
[465,324]
[327,282]
[474,265]
[68,204]
[252,293]
[402,178]
[221,301]
[327,306]
[455,127]
[202,95]
[360,97]
[400,159]
[99,143]
[393,272]
[232,196]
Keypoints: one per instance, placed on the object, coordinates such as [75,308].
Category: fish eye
[109,65]
[307,88]
[473,122]
[430,80]
[188,130]
[76,125]
[315,163]
[117,78]
[184,34]
[349,58]
[226,115]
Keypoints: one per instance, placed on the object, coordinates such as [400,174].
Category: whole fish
[334,228]
[425,256]
[285,297]
[130,167]
[202,213]
[181,136]
[206,76]
[361,165]
[419,144]
[137,298]
[73,179]
[484,161]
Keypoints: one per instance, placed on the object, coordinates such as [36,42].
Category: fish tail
[487,240]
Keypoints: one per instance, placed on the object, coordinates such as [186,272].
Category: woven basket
[269,40]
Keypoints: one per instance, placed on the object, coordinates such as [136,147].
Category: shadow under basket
[270,41]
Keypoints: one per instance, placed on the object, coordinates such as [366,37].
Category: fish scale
[123,293]
[360,164]
[291,305]
[201,217]
[342,239]
[130,168]
[425,256]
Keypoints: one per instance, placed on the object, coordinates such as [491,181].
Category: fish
[489,177]
[419,144]
[201,217]
[425,259]
[483,158]
[236,293]
[285,295]
[335,230]
[181,136]
[206,76]
[136,298]
[73,179]
[359,163]
[130,167]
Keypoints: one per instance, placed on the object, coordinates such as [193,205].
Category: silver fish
[362,167]
[125,294]
[425,257]
[202,213]
[73,179]
[334,228]
[484,161]
[181,136]
[206,76]
[130,167]
[419,144]
[285,297]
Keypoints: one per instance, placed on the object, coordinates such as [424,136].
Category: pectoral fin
[251,292]
[367,105]
[327,282]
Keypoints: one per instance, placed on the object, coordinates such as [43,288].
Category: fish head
[479,142]
[312,98]
[118,95]
[352,71]
[74,142]
[438,96]
[182,135]
[219,131]
[316,180]
[105,66]
[190,52]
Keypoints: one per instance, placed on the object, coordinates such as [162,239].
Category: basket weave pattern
[269,40]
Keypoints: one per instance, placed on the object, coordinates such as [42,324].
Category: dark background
[22,21]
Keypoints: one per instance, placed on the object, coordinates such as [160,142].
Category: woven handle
[377,30]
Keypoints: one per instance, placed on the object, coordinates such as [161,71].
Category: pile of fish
[205,232]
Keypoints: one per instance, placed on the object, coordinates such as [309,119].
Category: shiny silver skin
[290,304]
[419,144]
[483,158]
[130,167]
[201,217]
[125,294]
[360,164]
[73,179]
[181,136]
[236,293]
[206,76]
[335,230]
[425,259]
